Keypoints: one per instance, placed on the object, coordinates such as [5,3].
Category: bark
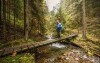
[14,20]
[4,20]
[7,22]
[0,10]
[84,21]
[26,23]
[9,19]
[0,13]
[1,19]
[9,13]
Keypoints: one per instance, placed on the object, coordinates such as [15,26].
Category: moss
[22,58]
[91,44]
[17,42]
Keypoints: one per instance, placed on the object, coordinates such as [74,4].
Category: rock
[67,58]
[76,58]
[85,56]
[64,54]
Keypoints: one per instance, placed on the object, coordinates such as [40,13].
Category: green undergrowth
[21,58]
[17,42]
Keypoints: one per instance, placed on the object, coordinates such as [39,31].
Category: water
[49,37]
[63,53]
[58,45]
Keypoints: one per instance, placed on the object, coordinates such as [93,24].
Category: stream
[63,53]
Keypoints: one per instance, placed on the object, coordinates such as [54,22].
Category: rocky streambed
[64,53]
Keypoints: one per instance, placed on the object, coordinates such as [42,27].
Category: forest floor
[21,58]
[20,41]
[91,47]
[91,44]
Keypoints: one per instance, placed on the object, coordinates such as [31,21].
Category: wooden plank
[24,47]
[6,51]
[17,48]
[10,51]
[37,44]
[1,52]
[30,46]
[33,44]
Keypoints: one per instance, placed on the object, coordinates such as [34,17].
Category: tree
[0,10]
[8,18]
[4,20]
[38,10]
[84,21]
[14,8]
[26,19]
[1,23]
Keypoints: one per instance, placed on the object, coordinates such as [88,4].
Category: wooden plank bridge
[8,51]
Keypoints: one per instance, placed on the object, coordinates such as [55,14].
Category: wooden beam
[7,51]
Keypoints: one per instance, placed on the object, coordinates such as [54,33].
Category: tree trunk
[0,11]
[1,23]
[84,21]
[7,22]
[14,20]
[4,20]
[26,24]
[8,19]
[0,15]
[9,13]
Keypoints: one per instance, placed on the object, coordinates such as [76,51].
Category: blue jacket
[59,26]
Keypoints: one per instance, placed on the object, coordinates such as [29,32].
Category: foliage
[13,23]
[38,11]
[71,14]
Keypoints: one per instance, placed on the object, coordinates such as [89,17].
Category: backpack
[59,26]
